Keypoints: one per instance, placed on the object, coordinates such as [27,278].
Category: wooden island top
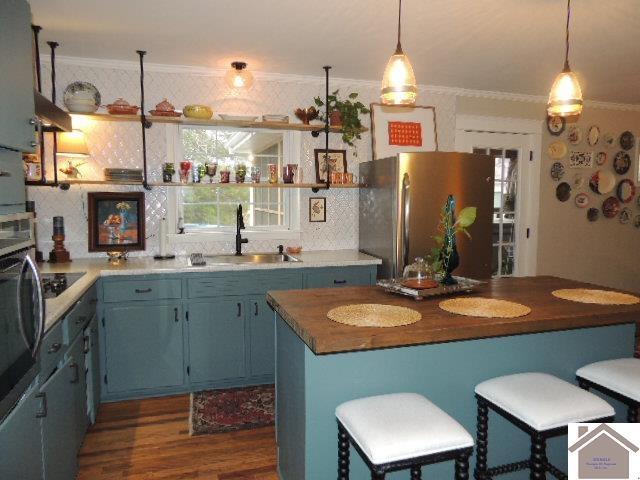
[305,311]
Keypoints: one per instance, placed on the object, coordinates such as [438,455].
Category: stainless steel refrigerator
[400,208]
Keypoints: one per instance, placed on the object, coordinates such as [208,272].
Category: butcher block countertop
[306,313]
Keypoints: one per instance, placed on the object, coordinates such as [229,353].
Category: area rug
[218,411]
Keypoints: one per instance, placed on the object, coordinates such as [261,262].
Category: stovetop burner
[56,283]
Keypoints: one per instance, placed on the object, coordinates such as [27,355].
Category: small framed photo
[337,163]
[116,221]
[317,209]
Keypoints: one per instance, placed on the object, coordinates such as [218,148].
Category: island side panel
[290,401]
[447,374]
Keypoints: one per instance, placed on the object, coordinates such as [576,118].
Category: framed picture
[398,129]
[116,221]
[337,163]
[317,209]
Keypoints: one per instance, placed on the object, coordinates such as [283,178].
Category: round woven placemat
[374,315]
[484,307]
[599,297]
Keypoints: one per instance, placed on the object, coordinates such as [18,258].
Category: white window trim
[292,143]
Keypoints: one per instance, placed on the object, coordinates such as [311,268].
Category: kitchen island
[320,364]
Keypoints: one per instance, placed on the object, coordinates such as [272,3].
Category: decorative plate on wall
[608,139]
[626,191]
[557,171]
[582,200]
[578,181]
[625,215]
[611,207]
[593,135]
[622,163]
[563,192]
[602,182]
[601,158]
[575,135]
[627,140]
[555,125]
[593,214]
[557,150]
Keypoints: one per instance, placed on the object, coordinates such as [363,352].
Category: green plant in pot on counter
[444,256]
[344,114]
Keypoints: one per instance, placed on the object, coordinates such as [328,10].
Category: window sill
[230,236]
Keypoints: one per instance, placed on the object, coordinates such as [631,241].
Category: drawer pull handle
[339,282]
[143,290]
[256,304]
[54,348]
[43,405]
[175,311]
[4,173]
[33,143]
[239,309]
[81,319]
[76,372]
[87,345]
[93,301]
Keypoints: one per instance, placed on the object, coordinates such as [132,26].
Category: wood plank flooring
[149,440]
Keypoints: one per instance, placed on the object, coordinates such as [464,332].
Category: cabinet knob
[33,121]
[33,143]
[54,348]
[42,412]
[239,309]
[4,173]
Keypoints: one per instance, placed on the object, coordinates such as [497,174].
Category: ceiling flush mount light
[565,99]
[399,82]
[72,144]
[239,77]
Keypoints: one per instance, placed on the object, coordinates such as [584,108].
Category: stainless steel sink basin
[251,258]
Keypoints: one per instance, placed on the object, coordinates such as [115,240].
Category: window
[205,209]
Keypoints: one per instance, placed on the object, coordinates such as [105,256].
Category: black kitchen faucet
[239,226]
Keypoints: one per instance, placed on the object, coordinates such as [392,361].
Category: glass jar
[418,275]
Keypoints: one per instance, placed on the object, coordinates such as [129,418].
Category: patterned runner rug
[217,411]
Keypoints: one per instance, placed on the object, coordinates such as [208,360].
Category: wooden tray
[464,285]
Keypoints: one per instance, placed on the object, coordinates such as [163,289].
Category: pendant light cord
[399,46]
[566,54]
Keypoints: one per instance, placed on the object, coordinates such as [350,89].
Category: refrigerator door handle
[406,211]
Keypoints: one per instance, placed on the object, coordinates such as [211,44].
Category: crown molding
[318,80]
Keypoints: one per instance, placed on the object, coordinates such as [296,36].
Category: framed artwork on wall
[317,209]
[398,129]
[337,163]
[116,221]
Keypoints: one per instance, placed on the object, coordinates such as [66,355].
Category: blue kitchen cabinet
[261,337]
[143,347]
[20,441]
[12,189]
[92,367]
[16,81]
[78,390]
[217,332]
[339,277]
[59,424]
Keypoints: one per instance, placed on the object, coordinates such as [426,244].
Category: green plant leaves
[467,217]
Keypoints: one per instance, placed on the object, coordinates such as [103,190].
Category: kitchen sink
[250,258]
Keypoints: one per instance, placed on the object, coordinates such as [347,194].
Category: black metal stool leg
[343,453]
[482,442]
[632,414]
[462,467]
[538,457]
[377,476]
[416,472]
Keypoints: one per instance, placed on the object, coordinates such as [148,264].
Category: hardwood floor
[149,439]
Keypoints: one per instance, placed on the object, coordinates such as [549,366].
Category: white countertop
[95,268]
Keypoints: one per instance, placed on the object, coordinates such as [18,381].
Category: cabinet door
[12,189]
[262,336]
[20,440]
[92,366]
[217,340]
[143,347]
[16,81]
[59,425]
[79,390]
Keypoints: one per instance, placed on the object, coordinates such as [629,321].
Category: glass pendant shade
[565,99]
[239,77]
[72,144]
[399,81]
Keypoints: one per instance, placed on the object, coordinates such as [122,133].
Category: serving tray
[464,285]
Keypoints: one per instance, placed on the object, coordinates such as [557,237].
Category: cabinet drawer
[133,290]
[51,351]
[79,316]
[243,283]
[337,277]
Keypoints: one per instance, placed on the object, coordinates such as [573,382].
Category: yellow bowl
[197,111]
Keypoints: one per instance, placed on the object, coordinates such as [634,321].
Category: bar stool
[542,406]
[400,431]
[619,379]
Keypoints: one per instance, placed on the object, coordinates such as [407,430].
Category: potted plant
[345,114]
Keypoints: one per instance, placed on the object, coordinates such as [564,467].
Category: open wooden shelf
[105,117]
[210,185]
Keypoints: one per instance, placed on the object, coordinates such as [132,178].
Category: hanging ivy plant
[350,111]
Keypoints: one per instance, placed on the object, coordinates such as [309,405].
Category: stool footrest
[555,471]
[507,468]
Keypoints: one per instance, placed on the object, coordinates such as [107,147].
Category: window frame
[292,144]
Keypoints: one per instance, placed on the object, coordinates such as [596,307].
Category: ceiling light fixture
[565,98]
[399,82]
[239,77]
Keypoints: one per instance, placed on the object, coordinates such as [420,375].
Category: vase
[454,262]
[335,118]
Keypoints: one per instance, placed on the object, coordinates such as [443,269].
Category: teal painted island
[320,364]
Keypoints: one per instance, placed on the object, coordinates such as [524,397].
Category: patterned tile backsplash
[118,144]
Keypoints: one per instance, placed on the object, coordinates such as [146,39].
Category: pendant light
[565,98]
[399,82]
[239,77]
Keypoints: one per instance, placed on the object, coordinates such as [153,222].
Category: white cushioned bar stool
[400,431]
[542,406]
[619,379]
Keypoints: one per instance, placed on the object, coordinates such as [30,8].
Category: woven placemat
[484,307]
[374,315]
[599,297]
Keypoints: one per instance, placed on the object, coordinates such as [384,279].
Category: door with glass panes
[512,190]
